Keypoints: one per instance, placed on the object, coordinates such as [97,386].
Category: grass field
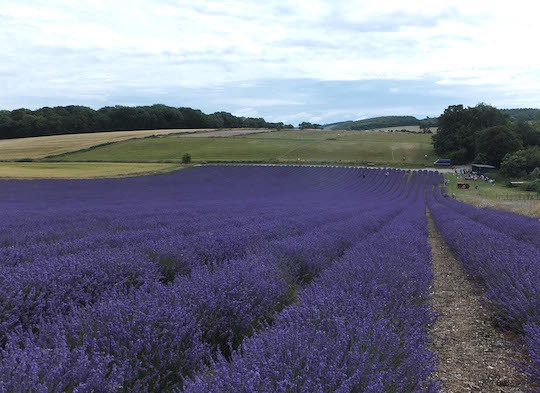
[78,170]
[128,153]
[282,146]
[495,195]
[43,146]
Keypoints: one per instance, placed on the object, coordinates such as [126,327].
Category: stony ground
[474,355]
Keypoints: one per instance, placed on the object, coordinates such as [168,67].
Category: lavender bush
[232,279]
[360,326]
[504,260]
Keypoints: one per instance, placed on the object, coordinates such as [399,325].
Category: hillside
[381,122]
[298,146]
[95,154]
[525,114]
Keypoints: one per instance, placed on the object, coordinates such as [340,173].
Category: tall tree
[457,127]
[529,134]
[77,119]
[495,142]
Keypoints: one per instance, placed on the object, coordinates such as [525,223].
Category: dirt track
[474,356]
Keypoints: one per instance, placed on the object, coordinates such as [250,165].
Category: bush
[532,186]
[495,142]
[521,163]
[458,156]
[186,158]
[529,135]
[534,175]
[481,158]
[513,165]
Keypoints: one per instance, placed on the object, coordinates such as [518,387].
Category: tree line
[305,125]
[75,119]
[487,135]
[527,114]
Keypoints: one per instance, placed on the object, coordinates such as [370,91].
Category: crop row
[361,325]
[499,251]
[115,294]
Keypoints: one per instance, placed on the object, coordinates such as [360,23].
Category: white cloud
[90,47]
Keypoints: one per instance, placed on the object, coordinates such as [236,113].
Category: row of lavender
[501,252]
[136,284]
[360,326]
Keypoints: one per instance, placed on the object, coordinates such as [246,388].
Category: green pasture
[282,146]
[497,196]
[498,190]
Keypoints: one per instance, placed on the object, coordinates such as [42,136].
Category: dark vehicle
[442,162]
[482,168]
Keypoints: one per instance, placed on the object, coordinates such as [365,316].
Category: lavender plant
[505,262]
[235,279]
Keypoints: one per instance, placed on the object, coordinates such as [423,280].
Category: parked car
[442,162]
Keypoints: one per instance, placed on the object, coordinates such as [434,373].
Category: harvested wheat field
[80,170]
[43,146]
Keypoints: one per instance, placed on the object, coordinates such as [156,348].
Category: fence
[529,196]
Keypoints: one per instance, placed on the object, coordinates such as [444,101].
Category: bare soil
[474,355]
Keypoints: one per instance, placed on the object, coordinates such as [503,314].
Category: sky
[291,61]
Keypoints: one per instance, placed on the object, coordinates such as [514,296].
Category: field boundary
[338,163]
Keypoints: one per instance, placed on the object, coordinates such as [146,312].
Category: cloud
[60,51]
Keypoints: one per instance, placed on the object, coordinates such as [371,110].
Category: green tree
[529,135]
[215,121]
[495,142]
[455,135]
[186,158]
[521,163]
[77,119]
[424,128]
[307,125]
[513,165]
[252,122]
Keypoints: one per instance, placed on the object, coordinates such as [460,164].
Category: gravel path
[474,356]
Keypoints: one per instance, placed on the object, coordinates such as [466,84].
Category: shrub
[532,186]
[513,165]
[458,156]
[535,174]
[495,142]
[521,162]
[186,158]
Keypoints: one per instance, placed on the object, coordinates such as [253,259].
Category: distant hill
[525,114]
[331,126]
[381,122]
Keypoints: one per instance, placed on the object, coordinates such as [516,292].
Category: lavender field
[245,279]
